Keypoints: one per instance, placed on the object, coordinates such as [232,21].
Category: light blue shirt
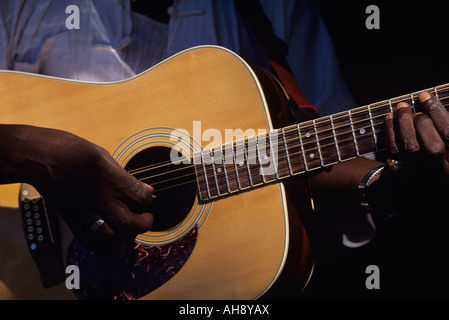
[110,44]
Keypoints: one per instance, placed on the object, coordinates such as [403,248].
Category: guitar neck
[299,148]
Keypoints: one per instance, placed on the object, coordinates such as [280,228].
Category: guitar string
[257,167]
[248,162]
[251,171]
[320,121]
[305,150]
[309,150]
[239,148]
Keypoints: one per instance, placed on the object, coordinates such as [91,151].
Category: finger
[100,241]
[405,128]
[436,111]
[131,191]
[431,142]
[430,139]
[390,136]
[125,223]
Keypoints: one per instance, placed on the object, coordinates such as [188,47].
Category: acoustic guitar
[216,139]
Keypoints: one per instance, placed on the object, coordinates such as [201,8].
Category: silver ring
[96,225]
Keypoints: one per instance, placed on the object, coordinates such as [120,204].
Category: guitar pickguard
[141,270]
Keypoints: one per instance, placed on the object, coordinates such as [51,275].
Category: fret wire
[305,150]
[332,130]
[302,148]
[301,152]
[412,103]
[297,173]
[335,138]
[344,140]
[274,154]
[353,133]
[317,143]
[377,131]
[244,166]
[228,175]
[258,174]
[372,126]
[293,143]
[205,176]
[389,103]
[212,160]
[257,138]
[445,88]
[352,114]
[245,162]
[342,130]
[214,170]
[198,175]
[234,159]
[287,152]
[303,144]
[356,122]
[265,175]
[337,134]
[438,91]
[246,157]
[223,162]
[435,91]
[363,139]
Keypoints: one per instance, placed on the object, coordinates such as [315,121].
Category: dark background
[407,54]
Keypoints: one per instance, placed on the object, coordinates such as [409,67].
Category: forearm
[343,177]
[35,155]
[17,153]
[335,190]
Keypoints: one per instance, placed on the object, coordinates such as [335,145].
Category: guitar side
[243,244]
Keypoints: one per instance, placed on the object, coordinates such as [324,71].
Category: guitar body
[246,243]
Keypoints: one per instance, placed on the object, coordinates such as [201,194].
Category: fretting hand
[422,137]
[418,143]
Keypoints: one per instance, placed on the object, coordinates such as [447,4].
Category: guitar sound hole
[174,184]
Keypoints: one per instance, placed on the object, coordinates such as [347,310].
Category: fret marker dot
[218,169]
[241,164]
[362,131]
[312,155]
[308,135]
[265,157]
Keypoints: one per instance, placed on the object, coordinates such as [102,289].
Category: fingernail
[401,105]
[389,116]
[148,186]
[424,96]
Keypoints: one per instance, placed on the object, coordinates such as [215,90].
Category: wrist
[16,155]
[386,193]
[368,180]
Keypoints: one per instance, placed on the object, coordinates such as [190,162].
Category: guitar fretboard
[299,148]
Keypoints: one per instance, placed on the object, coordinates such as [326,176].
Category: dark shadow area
[406,54]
